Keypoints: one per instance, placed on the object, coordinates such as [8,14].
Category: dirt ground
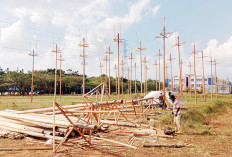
[218,143]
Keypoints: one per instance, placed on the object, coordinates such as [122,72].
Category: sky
[29,25]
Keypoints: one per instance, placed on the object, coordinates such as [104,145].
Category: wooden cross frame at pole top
[190,85]
[164,35]
[109,52]
[83,55]
[171,59]
[203,76]
[159,54]
[156,84]
[61,60]
[33,54]
[54,100]
[178,44]
[118,40]
[195,77]
[131,58]
[140,49]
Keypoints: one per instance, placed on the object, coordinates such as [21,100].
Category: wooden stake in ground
[61,60]
[109,52]
[180,80]
[216,78]
[171,59]
[164,35]
[122,63]
[116,88]
[190,82]
[33,54]
[156,88]
[131,58]
[159,54]
[83,55]
[140,49]
[118,40]
[203,76]
[135,79]
[54,101]
[211,61]
[100,65]
[195,78]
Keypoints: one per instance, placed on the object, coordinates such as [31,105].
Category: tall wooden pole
[109,52]
[216,78]
[54,100]
[106,60]
[145,79]
[159,54]
[211,61]
[164,35]
[203,76]
[181,63]
[83,55]
[135,79]
[116,88]
[156,86]
[100,65]
[61,60]
[33,54]
[141,65]
[131,58]
[180,80]
[190,84]
[170,60]
[122,63]
[128,81]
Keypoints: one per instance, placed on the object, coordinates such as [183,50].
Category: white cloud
[155,10]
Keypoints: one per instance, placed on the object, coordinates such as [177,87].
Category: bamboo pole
[116,88]
[159,54]
[131,58]
[60,59]
[170,60]
[203,76]
[33,54]
[135,79]
[122,63]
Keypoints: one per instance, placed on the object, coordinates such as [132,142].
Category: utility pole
[171,59]
[211,61]
[203,76]
[145,79]
[115,67]
[83,55]
[54,100]
[140,49]
[146,69]
[156,75]
[106,60]
[135,79]
[178,44]
[122,63]
[128,81]
[118,40]
[61,60]
[159,54]
[167,75]
[131,58]
[164,35]
[181,62]
[100,65]
[109,52]
[216,78]
[195,78]
[33,54]
[190,86]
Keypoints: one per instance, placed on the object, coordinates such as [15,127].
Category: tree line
[44,81]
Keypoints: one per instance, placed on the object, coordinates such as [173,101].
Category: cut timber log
[45,120]
[30,133]
[164,145]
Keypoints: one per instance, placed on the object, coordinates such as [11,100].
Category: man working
[177,113]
